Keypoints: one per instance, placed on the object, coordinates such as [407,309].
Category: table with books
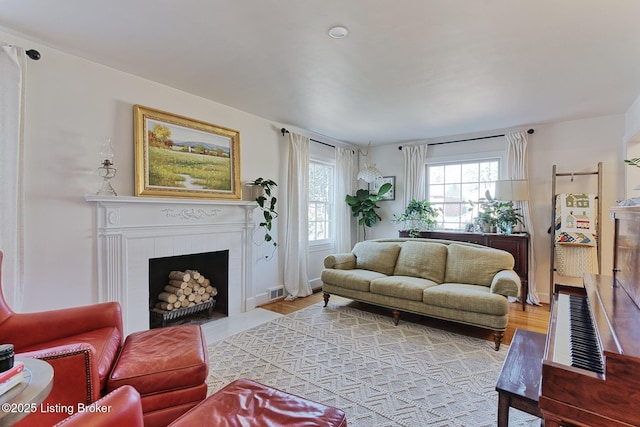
[23,389]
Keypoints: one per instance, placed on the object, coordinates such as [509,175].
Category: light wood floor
[534,318]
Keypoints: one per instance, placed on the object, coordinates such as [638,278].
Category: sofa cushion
[404,287]
[422,259]
[463,297]
[477,266]
[346,261]
[357,280]
[376,256]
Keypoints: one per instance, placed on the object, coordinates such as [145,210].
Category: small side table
[34,388]
[518,385]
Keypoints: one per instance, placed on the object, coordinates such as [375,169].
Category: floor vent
[275,293]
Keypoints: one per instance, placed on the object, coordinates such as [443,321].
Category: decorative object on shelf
[363,205]
[493,213]
[418,216]
[370,172]
[180,157]
[486,220]
[374,187]
[106,171]
[267,203]
[508,191]
[507,216]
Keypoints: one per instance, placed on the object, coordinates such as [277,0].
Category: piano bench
[518,385]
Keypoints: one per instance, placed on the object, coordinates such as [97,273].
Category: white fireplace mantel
[131,230]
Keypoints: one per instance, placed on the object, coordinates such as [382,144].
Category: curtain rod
[285,131]
[530,131]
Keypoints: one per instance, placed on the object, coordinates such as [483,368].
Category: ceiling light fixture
[338,32]
[370,172]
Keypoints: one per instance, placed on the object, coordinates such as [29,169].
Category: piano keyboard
[576,343]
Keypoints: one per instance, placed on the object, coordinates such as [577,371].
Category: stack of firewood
[185,289]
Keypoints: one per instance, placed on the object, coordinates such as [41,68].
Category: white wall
[574,146]
[71,104]
[389,161]
[632,148]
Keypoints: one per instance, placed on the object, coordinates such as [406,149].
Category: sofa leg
[326,298]
[396,317]
[497,339]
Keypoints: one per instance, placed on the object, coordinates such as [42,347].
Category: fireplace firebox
[214,266]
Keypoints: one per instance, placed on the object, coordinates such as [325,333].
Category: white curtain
[345,184]
[296,277]
[12,76]
[415,157]
[517,169]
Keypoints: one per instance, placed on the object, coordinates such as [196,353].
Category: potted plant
[267,203]
[508,216]
[487,217]
[418,216]
[363,206]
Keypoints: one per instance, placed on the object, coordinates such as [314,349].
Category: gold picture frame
[177,156]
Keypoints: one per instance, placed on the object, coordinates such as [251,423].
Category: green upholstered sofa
[460,282]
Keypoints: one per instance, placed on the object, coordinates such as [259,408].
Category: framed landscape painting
[180,157]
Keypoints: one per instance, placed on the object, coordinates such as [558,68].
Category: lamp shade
[512,189]
[369,173]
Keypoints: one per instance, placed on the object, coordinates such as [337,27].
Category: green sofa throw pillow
[422,259]
[475,266]
[376,256]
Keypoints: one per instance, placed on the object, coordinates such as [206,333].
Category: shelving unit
[554,197]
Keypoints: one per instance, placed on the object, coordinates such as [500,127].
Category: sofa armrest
[75,381]
[121,407]
[51,325]
[343,261]
[507,283]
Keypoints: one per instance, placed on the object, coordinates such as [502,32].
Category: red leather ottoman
[245,403]
[168,367]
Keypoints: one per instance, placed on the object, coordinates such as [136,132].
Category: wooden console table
[516,244]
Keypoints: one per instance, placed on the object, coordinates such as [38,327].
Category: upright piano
[591,364]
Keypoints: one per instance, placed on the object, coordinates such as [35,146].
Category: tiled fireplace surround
[131,230]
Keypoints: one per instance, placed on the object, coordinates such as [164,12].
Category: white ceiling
[409,70]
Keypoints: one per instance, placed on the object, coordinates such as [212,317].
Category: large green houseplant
[267,204]
[364,204]
[418,216]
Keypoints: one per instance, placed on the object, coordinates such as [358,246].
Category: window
[320,201]
[451,186]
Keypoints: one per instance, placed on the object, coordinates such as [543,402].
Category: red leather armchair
[81,344]
[122,407]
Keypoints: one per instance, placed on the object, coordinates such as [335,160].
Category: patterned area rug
[377,373]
